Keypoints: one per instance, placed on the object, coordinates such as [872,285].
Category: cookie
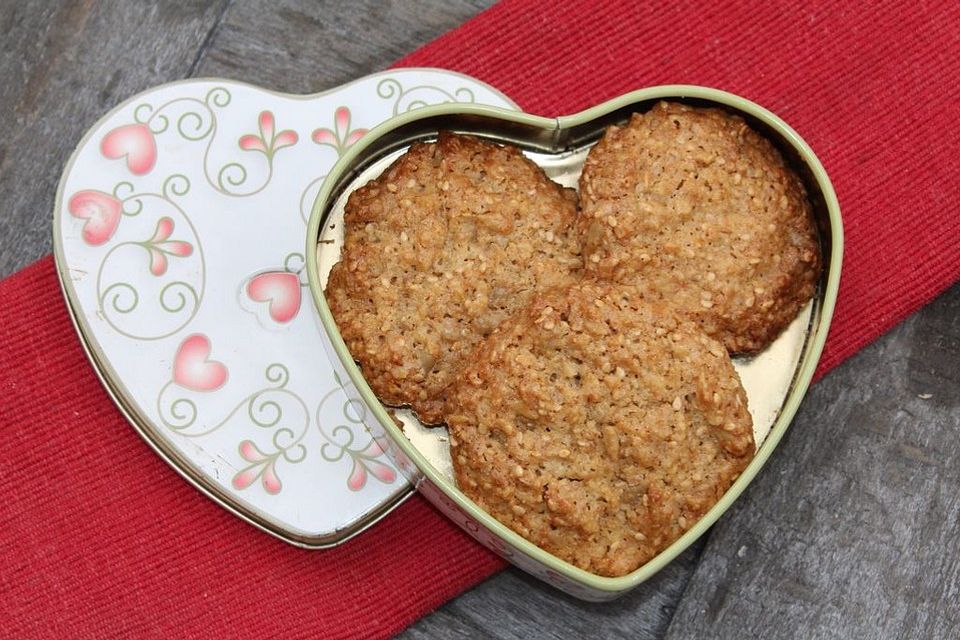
[701,212]
[598,426]
[450,240]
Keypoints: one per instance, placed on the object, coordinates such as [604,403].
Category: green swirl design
[191,126]
[184,411]
[340,448]
[116,292]
[293,451]
[277,374]
[232,174]
[294,262]
[217,97]
[263,410]
[120,299]
[267,413]
[419,96]
[138,114]
[182,294]
[341,439]
[199,122]
[123,192]
[175,185]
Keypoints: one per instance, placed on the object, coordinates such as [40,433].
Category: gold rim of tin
[118,392]
[560,133]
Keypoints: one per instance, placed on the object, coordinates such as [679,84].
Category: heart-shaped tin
[178,233]
[775,380]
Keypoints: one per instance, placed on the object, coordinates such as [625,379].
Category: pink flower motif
[135,143]
[261,466]
[193,368]
[365,461]
[281,289]
[341,137]
[159,247]
[267,143]
[101,212]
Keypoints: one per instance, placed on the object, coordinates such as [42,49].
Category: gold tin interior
[775,379]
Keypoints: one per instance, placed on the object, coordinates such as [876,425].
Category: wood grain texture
[853,529]
[64,64]
[299,46]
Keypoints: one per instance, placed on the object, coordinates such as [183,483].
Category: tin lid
[178,233]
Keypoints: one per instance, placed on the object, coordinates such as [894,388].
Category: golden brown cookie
[702,213]
[449,241]
[598,426]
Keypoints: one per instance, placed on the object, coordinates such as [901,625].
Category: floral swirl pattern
[177,298]
[352,438]
[196,120]
[419,96]
[273,408]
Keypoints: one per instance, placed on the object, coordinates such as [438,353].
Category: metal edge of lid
[554,129]
[116,390]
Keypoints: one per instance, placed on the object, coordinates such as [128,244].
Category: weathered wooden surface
[63,64]
[852,530]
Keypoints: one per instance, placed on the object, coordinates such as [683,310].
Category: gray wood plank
[64,64]
[299,46]
[853,530]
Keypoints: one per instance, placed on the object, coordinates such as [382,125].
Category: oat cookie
[450,240]
[702,212]
[599,426]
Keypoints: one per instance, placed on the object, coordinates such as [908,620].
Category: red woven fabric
[99,538]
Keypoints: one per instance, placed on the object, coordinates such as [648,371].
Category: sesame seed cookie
[450,240]
[598,425]
[701,211]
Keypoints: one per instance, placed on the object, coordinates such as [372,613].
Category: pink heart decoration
[101,212]
[134,142]
[192,367]
[279,288]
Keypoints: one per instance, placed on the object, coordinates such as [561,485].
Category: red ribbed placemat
[98,538]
